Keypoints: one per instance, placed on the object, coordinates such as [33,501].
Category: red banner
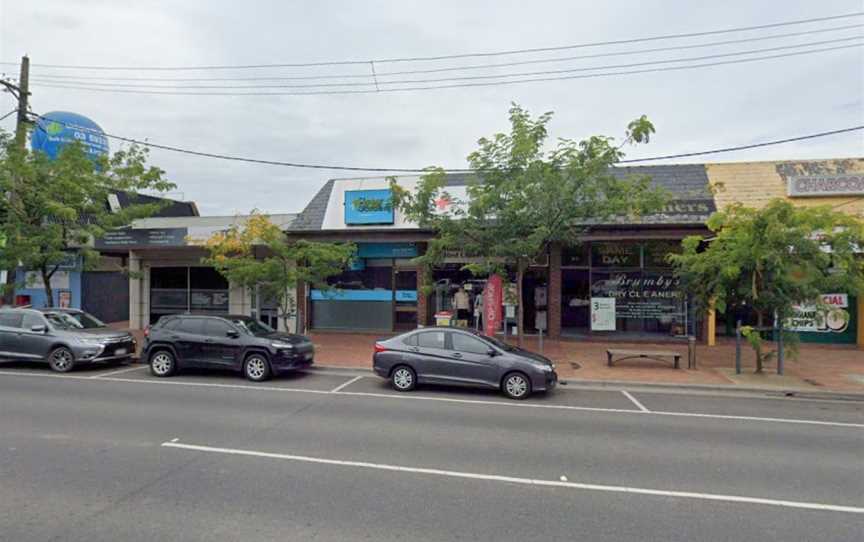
[493,297]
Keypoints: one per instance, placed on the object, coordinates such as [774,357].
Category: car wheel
[256,368]
[61,360]
[516,386]
[403,378]
[162,363]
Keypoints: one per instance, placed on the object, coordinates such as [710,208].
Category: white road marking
[524,481]
[408,397]
[120,371]
[345,384]
[639,405]
[175,439]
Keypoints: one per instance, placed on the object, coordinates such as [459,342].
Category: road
[115,454]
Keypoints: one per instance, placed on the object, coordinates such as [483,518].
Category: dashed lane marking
[119,371]
[344,385]
[639,405]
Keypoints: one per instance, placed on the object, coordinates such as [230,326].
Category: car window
[61,320]
[168,323]
[10,319]
[468,344]
[431,339]
[31,320]
[87,321]
[253,327]
[217,328]
[194,326]
[410,340]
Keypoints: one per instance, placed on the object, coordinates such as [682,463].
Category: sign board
[642,295]
[602,314]
[833,318]
[57,129]
[493,296]
[386,250]
[369,207]
[148,238]
[826,185]
[64,299]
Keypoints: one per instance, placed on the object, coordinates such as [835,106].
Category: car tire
[61,360]
[403,378]
[162,363]
[516,385]
[256,368]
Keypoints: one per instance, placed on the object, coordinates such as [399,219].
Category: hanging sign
[602,314]
[492,300]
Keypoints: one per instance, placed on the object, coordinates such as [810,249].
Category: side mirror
[39,329]
[233,334]
[492,352]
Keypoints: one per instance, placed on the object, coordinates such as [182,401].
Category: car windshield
[63,321]
[252,326]
[87,321]
[495,342]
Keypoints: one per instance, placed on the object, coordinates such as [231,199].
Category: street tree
[769,260]
[55,208]
[523,197]
[257,253]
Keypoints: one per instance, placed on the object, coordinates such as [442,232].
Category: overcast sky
[692,109]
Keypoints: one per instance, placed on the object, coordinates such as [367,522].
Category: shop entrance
[194,290]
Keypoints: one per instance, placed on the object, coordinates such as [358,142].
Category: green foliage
[257,253]
[60,205]
[524,197]
[771,259]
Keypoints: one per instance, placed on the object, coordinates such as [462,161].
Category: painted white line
[345,384]
[406,397]
[175,439]
[120,371]
[523,481]
[639,405]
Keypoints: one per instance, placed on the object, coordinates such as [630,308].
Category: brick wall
[553,320]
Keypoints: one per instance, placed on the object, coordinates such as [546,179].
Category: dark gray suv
[61,338]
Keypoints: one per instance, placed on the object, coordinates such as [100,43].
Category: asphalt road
[115,454]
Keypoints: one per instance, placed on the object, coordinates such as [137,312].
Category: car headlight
[284,346]
[91,342]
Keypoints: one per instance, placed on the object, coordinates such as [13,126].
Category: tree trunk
[46,281]
[759,320]
[520,315]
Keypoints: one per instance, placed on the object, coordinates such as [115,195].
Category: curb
[617,385]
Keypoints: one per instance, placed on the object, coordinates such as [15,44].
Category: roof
[692,201]
[173,208]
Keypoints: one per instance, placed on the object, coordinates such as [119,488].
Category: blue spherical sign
[57,129]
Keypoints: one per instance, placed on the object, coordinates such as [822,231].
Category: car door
[35,344]
[10,325]
[187,337]
[471,362]
[433,357]
[220,349]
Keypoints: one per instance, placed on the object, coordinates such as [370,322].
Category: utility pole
[22,94]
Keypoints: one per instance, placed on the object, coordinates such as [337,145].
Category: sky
[692,110]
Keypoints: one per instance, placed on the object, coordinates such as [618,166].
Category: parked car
[87,320]
[443,355]
[61,339]
[239,343]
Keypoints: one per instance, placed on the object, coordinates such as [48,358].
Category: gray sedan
[59,338]
[464,358]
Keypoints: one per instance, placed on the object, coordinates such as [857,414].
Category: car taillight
[147,331]
[380,348]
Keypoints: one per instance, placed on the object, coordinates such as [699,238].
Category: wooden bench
[657,355]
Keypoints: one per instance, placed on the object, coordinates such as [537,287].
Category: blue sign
[58,129]
[386,250]
[369,207]
[364,295]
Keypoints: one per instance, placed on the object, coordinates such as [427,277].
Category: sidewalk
[817,368]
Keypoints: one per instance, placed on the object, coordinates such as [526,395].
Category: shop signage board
[641,295]
[386,250]
[851,184]
[493,297]
[369,207]
[834,321]
[58,129]
[147,238]
[602,314]
[64,299]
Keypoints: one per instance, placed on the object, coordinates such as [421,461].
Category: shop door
[405,299]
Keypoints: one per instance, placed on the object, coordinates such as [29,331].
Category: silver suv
[63,338]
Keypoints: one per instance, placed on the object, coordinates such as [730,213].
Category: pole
[738,347]
[780,355]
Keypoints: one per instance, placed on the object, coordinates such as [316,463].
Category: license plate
[120,352]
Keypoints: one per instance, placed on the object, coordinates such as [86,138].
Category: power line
[8,114]
[447,86]
[456,56]
[77,78]
[232,158]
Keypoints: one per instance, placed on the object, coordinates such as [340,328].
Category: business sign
[826,185]
[641,296]
[493,297]
[831,317]
[58,129]
[602,314]
[149,238]
[369,207]
[386,250]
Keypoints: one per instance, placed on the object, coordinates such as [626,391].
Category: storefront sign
[826,185]
[64,299]
[642,296]
[602,314]
[386,250]
[615,255]
[832,317]
[369,207]
[149,238]
[493,297]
